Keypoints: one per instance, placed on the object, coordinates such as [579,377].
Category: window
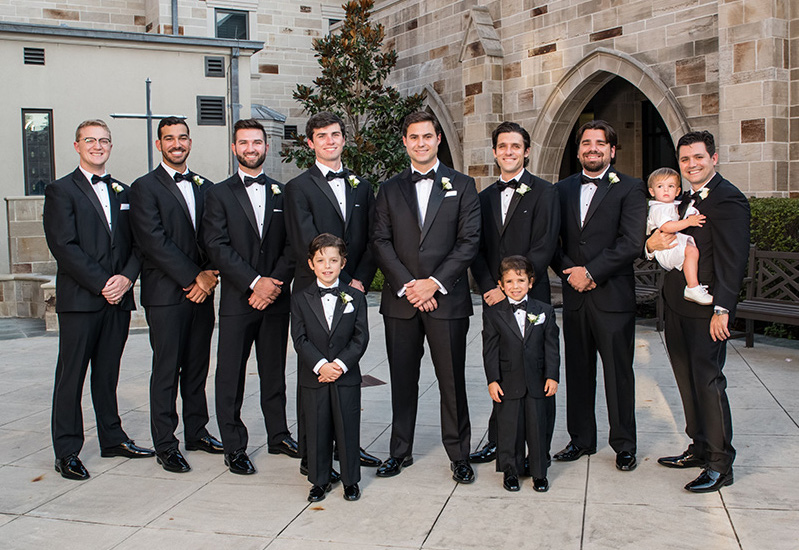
[210,110]
[37,147]
[290,131]
[231,24]
[33,56]
[215,66]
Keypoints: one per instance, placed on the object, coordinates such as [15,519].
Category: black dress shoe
[370,461]
[572,452]
[209,444]
[352,492]
[393,466]
[540,484]
[625,461]
[239,463]
[685,460]
[461,471]
[510,482]
[70,467]
[172,461]
[287,447]
[486,454]
[318,492]
[127,449]
[335,477]
[710,480]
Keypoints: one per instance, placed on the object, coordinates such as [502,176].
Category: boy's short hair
[91,122]
[516,263]
[326,240]
[662,173]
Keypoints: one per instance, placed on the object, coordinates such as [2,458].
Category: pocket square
[124,206]
[348,309]
[452,193]
[537,319]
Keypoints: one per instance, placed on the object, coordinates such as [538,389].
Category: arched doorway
[450,152]
[562,110]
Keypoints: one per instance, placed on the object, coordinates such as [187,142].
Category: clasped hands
[577,277]
[420,294]
[265,292]
[329,372]
[115,288]
[203,285]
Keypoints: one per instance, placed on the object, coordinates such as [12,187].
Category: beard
[252,162]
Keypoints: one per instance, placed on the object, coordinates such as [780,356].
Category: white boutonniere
[613,178]
[537,319]
[522,189]
[198,181]
[345,298]
[276,189]
[353,181]
[703,193]
[445,184]
[116,188]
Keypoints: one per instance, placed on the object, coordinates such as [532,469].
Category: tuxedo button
[582,242]
[330,346]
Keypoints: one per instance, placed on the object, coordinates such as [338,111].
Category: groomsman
[696,335]
[87,229]
[328,198]
[177,286]
[603,217]
[520,216]
[426,234]
[245,236]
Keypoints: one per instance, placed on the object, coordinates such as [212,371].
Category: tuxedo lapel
[240,192]
[408,190]
[86,187]
[434,203]
[173,188]
[514,202]
[269,208]
[199,203]
[349,192]
[113,201]
[534,309]
[338,313]
[324,187]
[495,205]
[507,315]
[574,190]
[315,303]
[601,190]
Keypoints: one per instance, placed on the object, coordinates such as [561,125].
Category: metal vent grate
[210,111]
[215,66]
[33,56]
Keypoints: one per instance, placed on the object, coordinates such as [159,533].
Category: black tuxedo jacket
[312,209]
[171,249]
[607,244]
[444,248]
[88,253]
[530,229]
[723,243]
[346,340]
[237,250]
[520,365]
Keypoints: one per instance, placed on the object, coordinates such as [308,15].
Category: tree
[352,85]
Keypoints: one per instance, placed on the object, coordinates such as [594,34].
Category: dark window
[231,24]
[210,111]
[214,66]
[33,56]
[289,131]
[37,147]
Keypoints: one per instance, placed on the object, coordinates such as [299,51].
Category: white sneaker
[698,294]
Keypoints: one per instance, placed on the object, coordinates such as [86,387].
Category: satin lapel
[269,208]
[338,313]
[573,191]
[315,303]
[528,326]
[173,188]
[349,193]
[240,192]
[113,201]
[506,314]
[514,202]
[436,198]
[84,185]
[408,190]
[199,203]
[495,205]
[324,187]
[596,200]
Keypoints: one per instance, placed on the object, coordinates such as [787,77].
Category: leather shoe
[685,460]
[287,447]
[127,449]
[239,463]
[393,466]
[352,492]
[461,471]
[710,480]
[318,492]
[209,444]
[510,482]
[540,484]
[486,454]
[172,461]
[367,460]
[70,467]
[335,477]
[625,461]
[572,452]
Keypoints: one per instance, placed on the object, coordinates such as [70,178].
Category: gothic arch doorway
[450,152]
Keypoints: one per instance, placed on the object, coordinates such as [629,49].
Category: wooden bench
[772,290]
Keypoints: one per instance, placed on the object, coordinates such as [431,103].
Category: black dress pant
[527,420]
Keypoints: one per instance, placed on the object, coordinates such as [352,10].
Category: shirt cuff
[441,288]
[718,310]
[649,255]
[341,364]
[254,282]
[401,293]
[318,366]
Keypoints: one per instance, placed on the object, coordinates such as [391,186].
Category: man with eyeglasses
[88,231]
[177,285]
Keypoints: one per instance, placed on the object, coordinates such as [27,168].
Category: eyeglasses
[90,141]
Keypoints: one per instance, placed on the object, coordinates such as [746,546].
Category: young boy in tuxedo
[521,356]
[330,332]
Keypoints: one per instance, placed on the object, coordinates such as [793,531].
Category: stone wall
[28,252]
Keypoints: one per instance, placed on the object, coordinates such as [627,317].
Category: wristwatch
[718,310]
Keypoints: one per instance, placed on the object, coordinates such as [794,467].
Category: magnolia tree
[352,85]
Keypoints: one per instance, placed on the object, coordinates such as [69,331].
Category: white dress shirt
[507,194]
[101,190]
[520,315]
[329,306]
[587,191]
[337,185]
[257,194]
[186,191]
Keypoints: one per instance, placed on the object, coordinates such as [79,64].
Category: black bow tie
[417,177]
[181,177]
[333,291]
[521,305]
[260,180]
[336,175]
[104,179]
[502,185]
[586,180]
[696,196]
